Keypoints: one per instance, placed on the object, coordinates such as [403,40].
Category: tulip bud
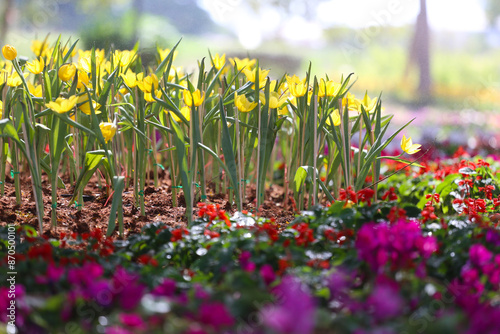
[9,52]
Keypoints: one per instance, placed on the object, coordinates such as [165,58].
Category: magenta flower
[400,244]
[267,273]
[294,310]
[166,288]
[479,255]
[132,320]
[245,262]
[117,330]
[385,301]
[216,315]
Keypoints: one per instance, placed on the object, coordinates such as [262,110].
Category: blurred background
[435,60]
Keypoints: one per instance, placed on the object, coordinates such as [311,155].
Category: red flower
[178,234]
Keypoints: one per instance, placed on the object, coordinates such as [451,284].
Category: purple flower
[479,255]
[294,310]
[267,273]
[117,330]
[385,302]
[400,244]
[245,262]
[132,320]
[166,288]
[493,237]
[199,292]
[216,315]
[131,296]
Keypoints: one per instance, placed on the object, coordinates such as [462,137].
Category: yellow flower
[242,63]
[164,53]
[367,103]
[108,130]
[283,111]
[39,48]
[83,79]
[296,86]
[123,58]
[335,117]
[328,88]
[149,83]
[67,72]
[185,111]
[1,109]
[149,98]
[250,74]
[84,105]
[219,61]
[131,79]
[9,52]
[408,146]
[275,101]
[36,67]
[35,90]
[62,105]
[15,80]
[85,63]
[196,97]
[243,104]
[350,101]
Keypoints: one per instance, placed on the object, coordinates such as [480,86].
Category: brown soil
[96,209]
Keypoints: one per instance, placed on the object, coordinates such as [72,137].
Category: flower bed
[424,258]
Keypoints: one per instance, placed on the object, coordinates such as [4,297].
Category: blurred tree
[4,19]
[420,54]
[305,8]
[493,12]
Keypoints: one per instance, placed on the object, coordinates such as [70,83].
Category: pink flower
[166,288]
[267,274]
[245,262]
[132,320]
[216,315]
[385,302]
[479,255]
[294,311]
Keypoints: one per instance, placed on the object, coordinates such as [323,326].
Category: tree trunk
[420,53]
[4,24]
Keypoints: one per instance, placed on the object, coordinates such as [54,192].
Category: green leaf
[116,204]
[227,149]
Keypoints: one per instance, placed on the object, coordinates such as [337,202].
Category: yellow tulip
[39,48]
[408,146]
[240,64]
[367,103]
[164,53]
[243,104]
[296,86]
[148,84]
[283,111]
[85,63]
[35,90]
[84,105]
[131,79]
[1,109]
[83,80]
[36,67]
[335,117]
[62,105]
[123,58]
[196,97]
[219,61]
[9,52]
[350,101]
[275,101]
[67,72]
[250,74]
[328,88]
[185,111]
[108,130]
[15,80]
[149,96]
